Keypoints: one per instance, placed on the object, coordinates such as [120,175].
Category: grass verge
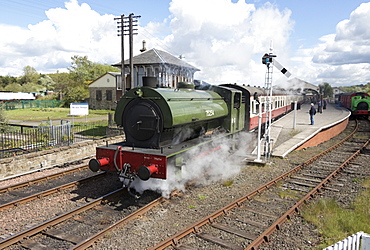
[336,223]
[38,114]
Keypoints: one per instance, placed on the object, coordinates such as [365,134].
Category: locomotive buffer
[268,60]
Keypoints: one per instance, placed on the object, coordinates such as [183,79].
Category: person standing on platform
[319,107]
[312,112]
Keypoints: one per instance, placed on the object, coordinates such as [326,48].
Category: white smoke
[217,162]
[294,86]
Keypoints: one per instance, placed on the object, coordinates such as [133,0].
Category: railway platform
[328,124]
[293,131]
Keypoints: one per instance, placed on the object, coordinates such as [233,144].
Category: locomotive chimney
[144,46]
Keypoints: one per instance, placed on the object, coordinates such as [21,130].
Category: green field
[39,114]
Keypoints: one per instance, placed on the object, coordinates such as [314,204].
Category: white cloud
[49,45]
[225,40]
[357,27]
[343,58]
[222,38]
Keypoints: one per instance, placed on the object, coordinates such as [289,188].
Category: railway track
[249,221]
[26,191]
[27,184]
[16,201]
[24,205]
[91,220]
[79,227]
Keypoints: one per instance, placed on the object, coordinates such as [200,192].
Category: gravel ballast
[198,200]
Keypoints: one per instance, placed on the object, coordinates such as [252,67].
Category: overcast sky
[316,40]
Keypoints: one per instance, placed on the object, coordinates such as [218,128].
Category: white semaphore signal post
[268,59]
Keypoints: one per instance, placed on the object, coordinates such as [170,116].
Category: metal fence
[30,104]
[23,139]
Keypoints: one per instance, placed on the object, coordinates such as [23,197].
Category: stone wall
[36,161]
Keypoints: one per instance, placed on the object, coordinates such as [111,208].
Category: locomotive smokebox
[144,172]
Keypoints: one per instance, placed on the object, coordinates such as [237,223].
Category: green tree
[80,68]
[31,87]
[367,88]
[30,75]
[13,87]
[46,82]
[76,93]
[68,88]
[326,90]
[84,70]
[6,80]
[63,81]
[352,89]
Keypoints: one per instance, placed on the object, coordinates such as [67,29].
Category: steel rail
[42,194]
[91,240]
[44,178]
[53,221]
[264,237]
[194,228]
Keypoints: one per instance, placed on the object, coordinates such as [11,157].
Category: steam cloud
[201,168]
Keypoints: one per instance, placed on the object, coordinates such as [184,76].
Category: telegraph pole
[121,34]
[132,23]
[126,28]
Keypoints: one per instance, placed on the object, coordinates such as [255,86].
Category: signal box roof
[155,56]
